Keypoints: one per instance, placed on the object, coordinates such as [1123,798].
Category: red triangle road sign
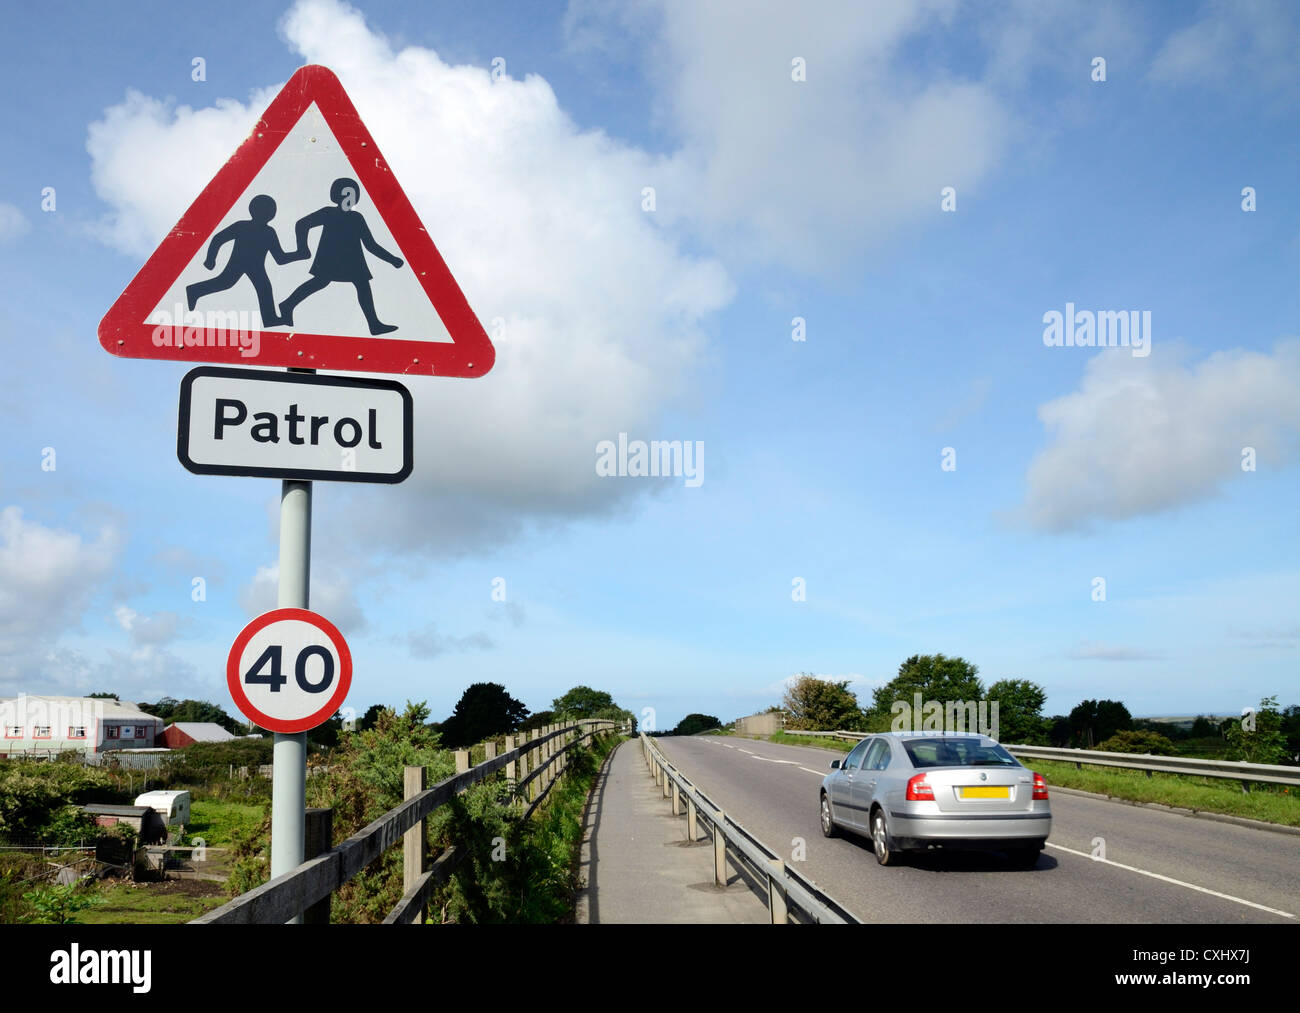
[303,251]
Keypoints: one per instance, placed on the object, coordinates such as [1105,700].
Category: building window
[110,731]
[76,731]
[41,732]
[13,731]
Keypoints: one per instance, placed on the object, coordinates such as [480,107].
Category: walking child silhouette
[253,240]
[339,254]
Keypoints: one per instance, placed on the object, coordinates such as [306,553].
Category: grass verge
[823,741]
[1201,794]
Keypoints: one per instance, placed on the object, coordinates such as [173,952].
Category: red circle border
[236,688]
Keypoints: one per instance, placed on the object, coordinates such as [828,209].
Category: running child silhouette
[253,240]
[339,255]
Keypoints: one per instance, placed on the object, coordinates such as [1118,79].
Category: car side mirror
[835,764]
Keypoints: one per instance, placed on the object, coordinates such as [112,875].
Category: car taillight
[918,790]
[1040,788]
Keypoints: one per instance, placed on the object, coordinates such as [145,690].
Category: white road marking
[1176,882]
[768,759]
[747,751]
[819,773]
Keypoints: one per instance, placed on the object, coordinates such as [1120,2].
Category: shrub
[41,800]
[1138,742]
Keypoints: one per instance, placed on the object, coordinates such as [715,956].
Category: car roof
[931,734]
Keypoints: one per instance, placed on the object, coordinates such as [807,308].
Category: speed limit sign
[289,670]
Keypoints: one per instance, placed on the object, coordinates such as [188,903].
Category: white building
[53,724]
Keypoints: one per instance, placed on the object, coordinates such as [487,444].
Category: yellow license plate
[986,791]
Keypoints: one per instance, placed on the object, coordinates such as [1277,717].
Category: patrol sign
[297,426]
[289,670]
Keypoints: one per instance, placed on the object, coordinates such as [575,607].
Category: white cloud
[13,223]
[157,629]
[805,173]
[1086,650]
[1143,435]
[429,643]
[332,596]
[47,578]
[1232,44]
[604,315]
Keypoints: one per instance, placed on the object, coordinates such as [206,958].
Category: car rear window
[934,752]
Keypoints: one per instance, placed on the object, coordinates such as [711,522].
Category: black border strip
[299,474]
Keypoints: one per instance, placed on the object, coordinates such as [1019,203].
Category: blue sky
[774,199]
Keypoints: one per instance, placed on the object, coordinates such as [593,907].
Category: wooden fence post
[462,760]
[413,841]
[318,838]
[548,750]
[677,800]
[690,819]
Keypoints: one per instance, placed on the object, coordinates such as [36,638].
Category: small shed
[144,820]
[186,733]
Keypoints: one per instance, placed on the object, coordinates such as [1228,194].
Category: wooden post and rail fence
[532,762]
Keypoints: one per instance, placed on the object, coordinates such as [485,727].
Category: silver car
[917,791]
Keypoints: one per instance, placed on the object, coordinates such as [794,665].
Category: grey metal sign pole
[289,766]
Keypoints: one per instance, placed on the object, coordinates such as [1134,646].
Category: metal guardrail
[790,893]
[1232,770]
[306,889]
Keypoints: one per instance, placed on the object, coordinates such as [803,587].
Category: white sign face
[289,670]
[300,180]
[294,425]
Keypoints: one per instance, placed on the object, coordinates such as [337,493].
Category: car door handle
[871,783]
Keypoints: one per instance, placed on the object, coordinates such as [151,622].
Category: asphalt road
[1158,867]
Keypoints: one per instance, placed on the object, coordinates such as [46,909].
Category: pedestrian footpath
[638,865]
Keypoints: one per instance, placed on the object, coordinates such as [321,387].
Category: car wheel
[1024,858]
[828,818]
[885,854]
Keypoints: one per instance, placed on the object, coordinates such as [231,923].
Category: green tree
[821,704]
[1291,729]
[693,724]
[103,696]
[484,709]
[935,676]
[368,719]
[1258,738]
[1057,730]
[326,735]
[538,720]
[1094,720]
[583,702]
[1020,711]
